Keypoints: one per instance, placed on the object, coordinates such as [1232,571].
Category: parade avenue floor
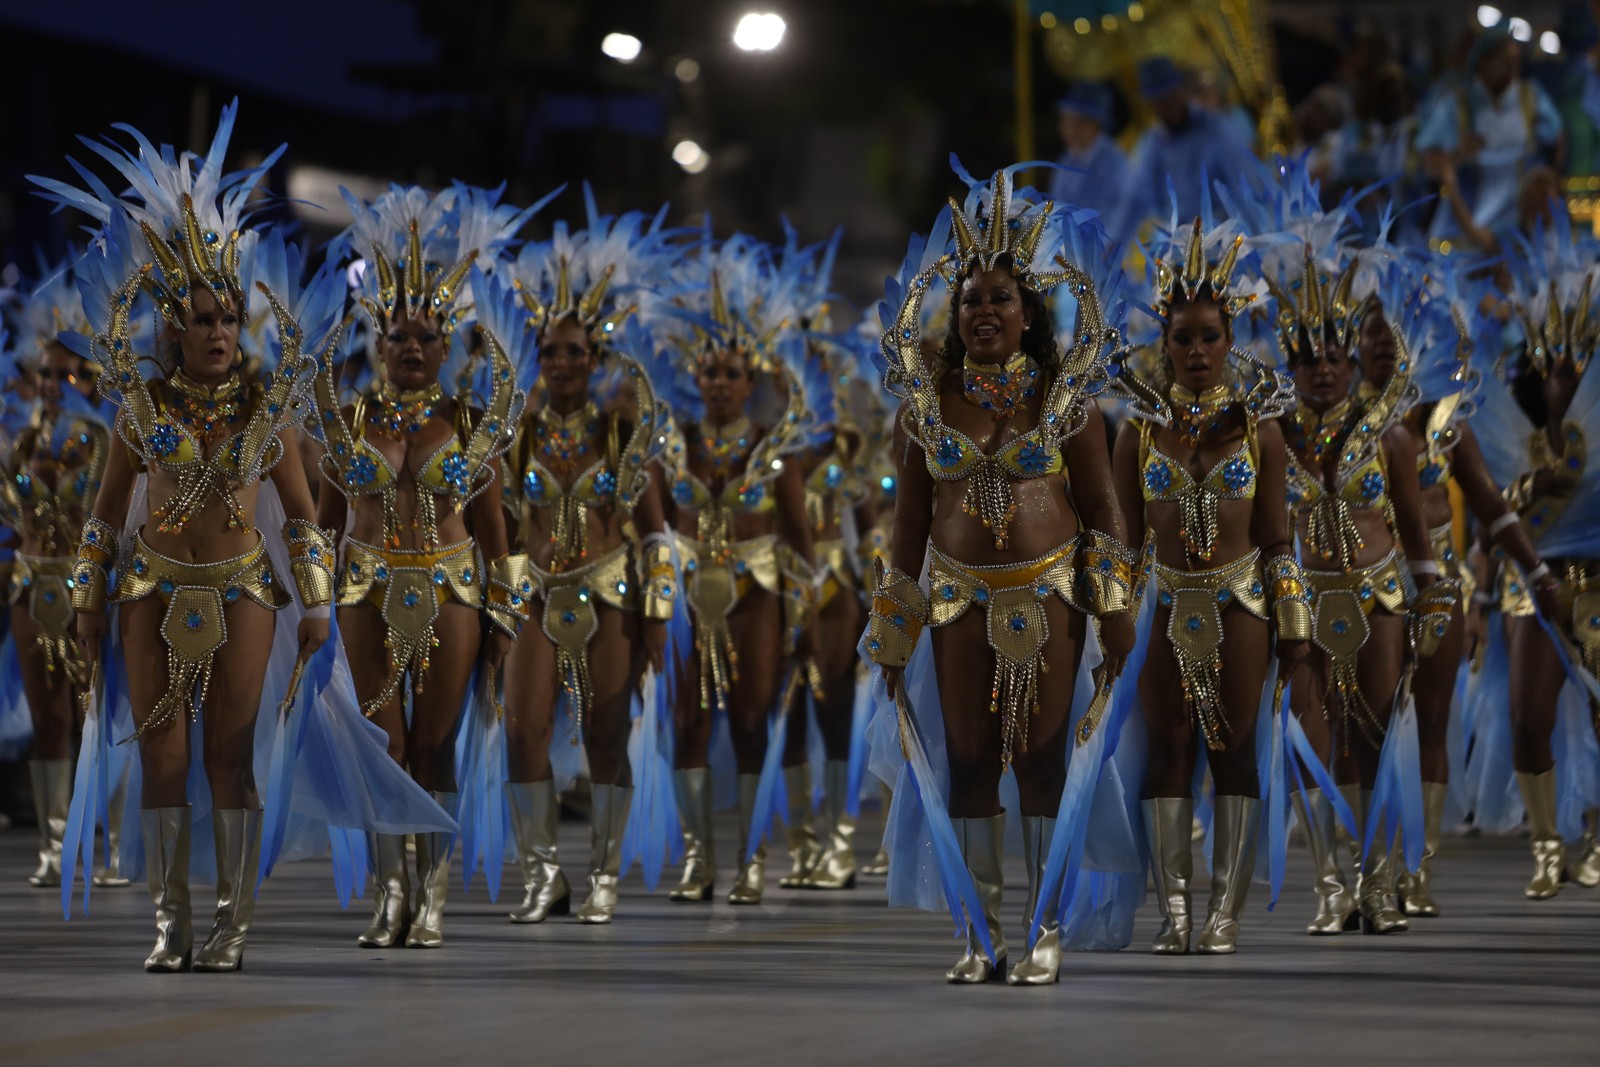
[807,977]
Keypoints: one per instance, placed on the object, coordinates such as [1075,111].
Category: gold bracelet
[509,596]
[659,580]
[1106,569]
[899,612]
[311,559]
[1291,603]
[97,554]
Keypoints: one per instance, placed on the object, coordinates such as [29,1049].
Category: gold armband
[1430,613]
[97,554]
[658,579]
[510,593]
[311,559]
[798,582]
[1290,598]
[1106,566]
[899,612]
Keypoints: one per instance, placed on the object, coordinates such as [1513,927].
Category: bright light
[1549,42]
[686,70]
[622,47]
[355,272]
[1488,16]
[1521,30]
[690,156]
[759,32]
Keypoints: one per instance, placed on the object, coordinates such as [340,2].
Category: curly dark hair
[1038,340]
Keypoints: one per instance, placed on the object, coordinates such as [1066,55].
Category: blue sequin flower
[683,492]
[1158,477]
[165,439]
[1372,486]
[363,469]
[605,483]
[753,496]
[1033,459]
[533,485]
[948,453]
[454,470]
[1237,475]
[834,476]
[1429,476]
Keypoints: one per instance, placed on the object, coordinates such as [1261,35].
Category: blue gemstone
[948,592]
[569,617]
[193,620]
[1018,624]
[981,596]
[232,593]
[466,574]
[381,573]
[412,598]
[1340,626]
[1192,623]
[898,620]
[165,586]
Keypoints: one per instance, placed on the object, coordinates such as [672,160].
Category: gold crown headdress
[1564,335]
[587,307]
[991,230]
[414,263]
[1196,272]
[1325,304]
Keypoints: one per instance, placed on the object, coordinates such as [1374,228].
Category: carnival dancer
[1004,491]
[47,490]
[1534,438]
[584,495]
[738,509]
[1449,339]
[426,562]
[1200,471]
[1353,487]
[200,450]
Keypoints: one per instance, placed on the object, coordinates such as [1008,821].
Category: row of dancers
[370,554]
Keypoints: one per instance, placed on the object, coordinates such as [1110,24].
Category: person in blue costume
[1378,148]
[1095,170]
[1004,494]
[427,581]
[1535,441]
[1354,490]
[47,490]
[1486,135]
[1185,145]
[196,590]
[1450,332]
[1200,472]
[741,415]
[584,500]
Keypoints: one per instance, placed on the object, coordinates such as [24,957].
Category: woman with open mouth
[1200,471]
[727,329]
[427,582]
[585,499]
[1005,492]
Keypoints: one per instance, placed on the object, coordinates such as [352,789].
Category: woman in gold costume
[738,511]
[1005,492]
[1200,469]
[586,507]
[47,490]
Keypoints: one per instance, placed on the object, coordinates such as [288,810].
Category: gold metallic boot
[693,790]
[237,833]
[1233,864]
[752,879]
[1380,907]
[608,821]
[1167,822]
[878,865]
[535,812]
[1042,964]
[1416,889]
[804,850]
[433,879]
[1587,871]
[109,874]
[836,869]
[391,886]
[1336,905]
[166,851]
[983,844]
[1549,855]
[52,798]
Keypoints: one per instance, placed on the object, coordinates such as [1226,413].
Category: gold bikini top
[55,513]
[1165,479]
